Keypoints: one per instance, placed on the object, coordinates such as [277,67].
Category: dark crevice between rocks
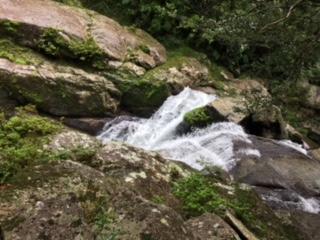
[261,129]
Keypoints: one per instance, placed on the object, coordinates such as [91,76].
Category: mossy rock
[143,97]
[22,139]
[199,117]
[53,43]
[18,54]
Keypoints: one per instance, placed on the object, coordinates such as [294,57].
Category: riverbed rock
[59,90]
[60,30]
[277,166]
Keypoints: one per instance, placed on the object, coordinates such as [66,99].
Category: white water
[213,145]
[296,146]
[210,146]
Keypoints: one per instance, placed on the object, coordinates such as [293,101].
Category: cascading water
[213,145]
[210,146]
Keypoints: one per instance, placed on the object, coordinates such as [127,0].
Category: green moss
[10,27]
[158,199]
[54,44]
[200,194]
[80,154]
[21,143]
[145,49]
[199,117]
[18,54]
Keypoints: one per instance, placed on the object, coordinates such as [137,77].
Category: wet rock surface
[278,166]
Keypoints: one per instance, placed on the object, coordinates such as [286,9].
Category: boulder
[76,33]
[180,72]
[247,85]
[277,166]
[228,109]
[59,90]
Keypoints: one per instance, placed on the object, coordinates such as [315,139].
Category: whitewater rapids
[211,146]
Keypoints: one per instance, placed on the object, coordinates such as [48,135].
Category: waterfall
[211,146]
[203,147]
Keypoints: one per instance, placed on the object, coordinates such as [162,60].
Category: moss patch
[21,142]
[199,117]
[143,97]
[10,27]
[53,43]
[18,54]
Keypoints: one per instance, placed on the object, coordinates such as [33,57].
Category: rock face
[60,90]
[58,29]
[226,108]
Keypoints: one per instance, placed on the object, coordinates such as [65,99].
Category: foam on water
[210,146]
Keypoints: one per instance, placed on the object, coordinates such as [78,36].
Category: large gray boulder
[61,30]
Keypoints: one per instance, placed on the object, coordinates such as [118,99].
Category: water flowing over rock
[257,161]
[213,145]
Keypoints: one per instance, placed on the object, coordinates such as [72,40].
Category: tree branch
[292,7]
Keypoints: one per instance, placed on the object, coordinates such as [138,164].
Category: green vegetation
[158,199]
[10,27]
[80,154]
[54,44]
[18,54]
[199,117]
[276,39]
[200,194]
[21,142]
